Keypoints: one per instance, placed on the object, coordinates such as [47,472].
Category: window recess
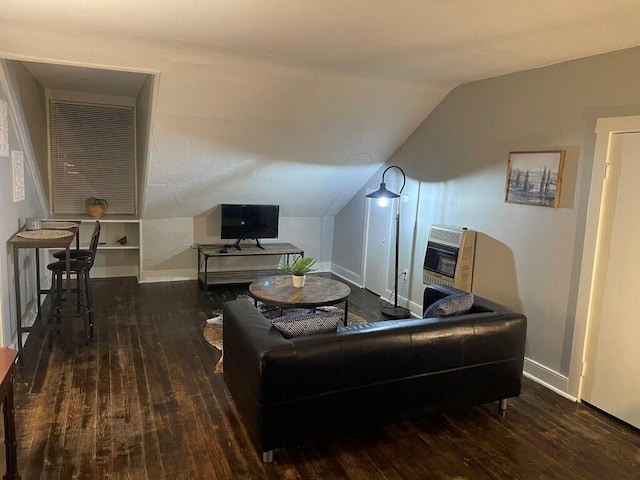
[92,151]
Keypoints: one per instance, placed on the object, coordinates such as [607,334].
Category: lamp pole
[382,193]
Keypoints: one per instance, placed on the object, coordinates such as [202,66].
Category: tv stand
[231,271]
[236,245]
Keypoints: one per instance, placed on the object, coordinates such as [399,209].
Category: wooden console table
[207,278]
[7,373]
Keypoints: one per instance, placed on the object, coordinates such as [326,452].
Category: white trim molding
[547,377]
[606,128]
[348,275]
[152,276]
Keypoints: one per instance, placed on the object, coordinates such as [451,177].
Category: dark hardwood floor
[141,401]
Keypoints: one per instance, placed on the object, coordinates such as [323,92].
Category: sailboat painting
[535,178]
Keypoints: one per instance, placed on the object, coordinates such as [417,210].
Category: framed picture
[535,178]
[17,161]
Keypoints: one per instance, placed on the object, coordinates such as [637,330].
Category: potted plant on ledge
[299,269]
[96,206]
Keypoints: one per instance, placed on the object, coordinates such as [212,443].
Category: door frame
[606,128]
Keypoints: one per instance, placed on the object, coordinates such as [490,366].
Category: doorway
[377,247]
[609,283]
[612,368]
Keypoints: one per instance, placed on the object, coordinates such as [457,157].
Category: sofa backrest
[380,352]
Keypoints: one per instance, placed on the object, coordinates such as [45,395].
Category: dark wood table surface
[278,290]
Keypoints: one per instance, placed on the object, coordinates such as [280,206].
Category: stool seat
[73,254]
[75,266]
[79,253]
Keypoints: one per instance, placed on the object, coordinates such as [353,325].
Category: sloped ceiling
[298,102]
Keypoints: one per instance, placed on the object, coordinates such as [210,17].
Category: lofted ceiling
[292,102]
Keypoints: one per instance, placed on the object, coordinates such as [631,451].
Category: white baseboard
[30,316]
[416,309]
[28,320]
[114,271]
[152,276]
[323,266]
[347,275]
[548,378]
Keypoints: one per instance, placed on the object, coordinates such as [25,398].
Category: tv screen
[249,221]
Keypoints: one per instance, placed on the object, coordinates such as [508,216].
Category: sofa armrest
[435,292]
[247,338]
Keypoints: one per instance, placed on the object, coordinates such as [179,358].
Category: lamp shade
[382,192]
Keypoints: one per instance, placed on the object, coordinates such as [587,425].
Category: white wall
[528,257]
[166,250]
[169,245]
[236,128]
[12,216]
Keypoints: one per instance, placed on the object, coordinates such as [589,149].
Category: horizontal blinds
[92,155]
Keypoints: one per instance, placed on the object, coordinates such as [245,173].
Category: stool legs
[87,298]
[56,297]
[56,302]
[84,299]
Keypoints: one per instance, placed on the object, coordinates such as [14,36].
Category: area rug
[213,328]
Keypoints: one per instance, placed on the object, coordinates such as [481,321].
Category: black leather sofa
[292,389]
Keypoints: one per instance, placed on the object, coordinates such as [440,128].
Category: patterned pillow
[450,305]
[303,324]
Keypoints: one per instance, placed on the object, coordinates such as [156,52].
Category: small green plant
[300,266]
[96,201]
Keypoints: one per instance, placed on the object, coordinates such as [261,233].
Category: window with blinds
[92,155]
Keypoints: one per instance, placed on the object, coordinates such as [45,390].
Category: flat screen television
[242,222]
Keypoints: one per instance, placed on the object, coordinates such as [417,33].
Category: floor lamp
[383,197]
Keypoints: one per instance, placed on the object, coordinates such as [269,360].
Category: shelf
[249,250]
[113,246]
[239,275]
[104,219]
[117,246]
[112,259]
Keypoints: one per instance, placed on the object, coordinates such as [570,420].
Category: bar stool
[79,253]
[84,295]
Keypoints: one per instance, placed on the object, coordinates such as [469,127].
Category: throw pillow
[450,305]
[302,324]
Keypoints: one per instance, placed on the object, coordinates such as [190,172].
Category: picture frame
[17,161]
[535,178]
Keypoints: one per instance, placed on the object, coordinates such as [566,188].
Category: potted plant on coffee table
[299,269]
[96,206]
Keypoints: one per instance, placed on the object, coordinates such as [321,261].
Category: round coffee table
[279,291]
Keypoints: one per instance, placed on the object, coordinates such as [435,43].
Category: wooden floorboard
[141,401]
